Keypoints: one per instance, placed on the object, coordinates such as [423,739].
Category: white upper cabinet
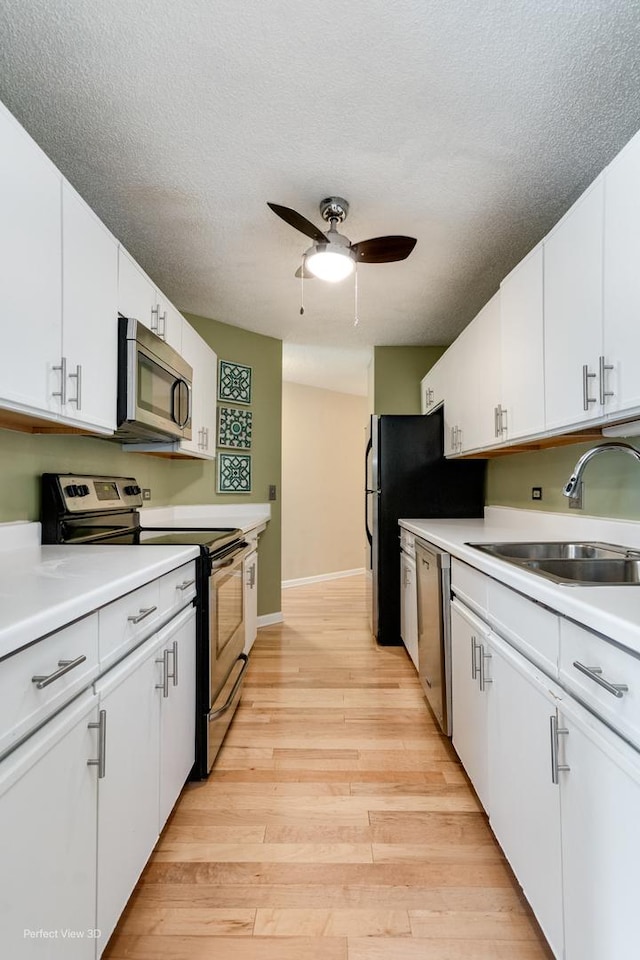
[432,386]
[30,247]
[140,299]
[573,340]
[89,315]
[520,412]
[621,384]
[204,362]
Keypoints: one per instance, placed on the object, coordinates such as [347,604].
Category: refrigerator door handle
[367,492]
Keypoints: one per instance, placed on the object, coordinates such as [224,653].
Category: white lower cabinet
[128,793]
[600,801]
[250,573]
[177,710]
[524,807]
[470,696]
[48,846]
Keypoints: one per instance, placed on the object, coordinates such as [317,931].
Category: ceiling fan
[332,256]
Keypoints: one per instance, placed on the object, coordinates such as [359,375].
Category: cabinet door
[455,386]
[30,241]
[432,387]
[90,314]
[128,793]
[409,606]
[250,571]
[622,280]
[136,293]
[470,703]
[522,349]
[573,312]
[170,323]
[525,802]
[178,710]
[600,800]
[204,362]
[48,806]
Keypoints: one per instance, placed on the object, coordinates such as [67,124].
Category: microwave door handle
[177,386]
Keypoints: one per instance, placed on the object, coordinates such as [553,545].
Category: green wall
[23,457]
[611,481]
[397,373]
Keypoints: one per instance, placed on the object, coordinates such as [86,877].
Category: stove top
[209,540]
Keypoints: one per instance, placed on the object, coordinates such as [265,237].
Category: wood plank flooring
[337,823]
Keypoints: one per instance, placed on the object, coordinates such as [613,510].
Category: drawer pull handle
[186,584]
[594,673]
[101,727]
[556,766]
[174,654]
[64,666]
[144,612]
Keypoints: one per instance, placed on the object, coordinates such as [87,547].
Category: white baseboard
[322,576]
[267,619]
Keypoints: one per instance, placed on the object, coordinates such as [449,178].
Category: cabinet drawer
[177,588]
[24,703]
[608,664]
[126,622]
[469,585]
[530,628]
[407,541]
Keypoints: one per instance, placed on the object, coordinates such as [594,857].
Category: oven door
[226,617]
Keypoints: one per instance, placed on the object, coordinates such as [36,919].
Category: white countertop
[612,611]
[42,588]
[247,517]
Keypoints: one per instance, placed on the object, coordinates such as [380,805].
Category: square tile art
[234,427]
[234,382]
[234,473]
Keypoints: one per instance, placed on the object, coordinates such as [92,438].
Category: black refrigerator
[408,476]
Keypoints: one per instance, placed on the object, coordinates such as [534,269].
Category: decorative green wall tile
[234,427]
[234,382]
[234,473]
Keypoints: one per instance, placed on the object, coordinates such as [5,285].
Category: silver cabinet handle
[254,571]
[496,427]
[155,312]
[101,727]
[483,678]
[555,732]
[453,438]
[475,646]
[77,376]
[162,333]
[64,666]
[206,433]
[144,612]
[503,420]
[62,392]
[185,584]
[594,673]
[602,368]
[586,376]
[174,654]
[164,686]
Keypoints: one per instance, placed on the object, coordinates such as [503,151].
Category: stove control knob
[132,491]
[82,490]
[71,490]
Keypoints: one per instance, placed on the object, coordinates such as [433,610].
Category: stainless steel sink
[552,550]
[571,563]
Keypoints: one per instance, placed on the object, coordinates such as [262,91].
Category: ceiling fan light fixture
[331,265]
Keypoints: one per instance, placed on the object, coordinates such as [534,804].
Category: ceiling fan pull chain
[356,318]
[302,288]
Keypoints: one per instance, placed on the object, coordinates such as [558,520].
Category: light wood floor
[337,823]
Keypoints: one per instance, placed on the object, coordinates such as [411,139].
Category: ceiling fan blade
[383,249]
[307,274]
[298,221]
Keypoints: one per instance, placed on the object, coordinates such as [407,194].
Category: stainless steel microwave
[154,387]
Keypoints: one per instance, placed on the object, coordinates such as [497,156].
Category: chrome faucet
[571,488]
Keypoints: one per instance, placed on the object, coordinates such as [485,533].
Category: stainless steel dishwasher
[433,571]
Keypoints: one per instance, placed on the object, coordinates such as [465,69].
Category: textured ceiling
[471,126]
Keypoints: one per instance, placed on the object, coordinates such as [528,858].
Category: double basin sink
[565,562]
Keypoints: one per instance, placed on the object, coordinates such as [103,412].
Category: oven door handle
[223,709]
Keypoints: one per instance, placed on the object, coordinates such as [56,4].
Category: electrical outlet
[536,493]
[146,493]
[272,491]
